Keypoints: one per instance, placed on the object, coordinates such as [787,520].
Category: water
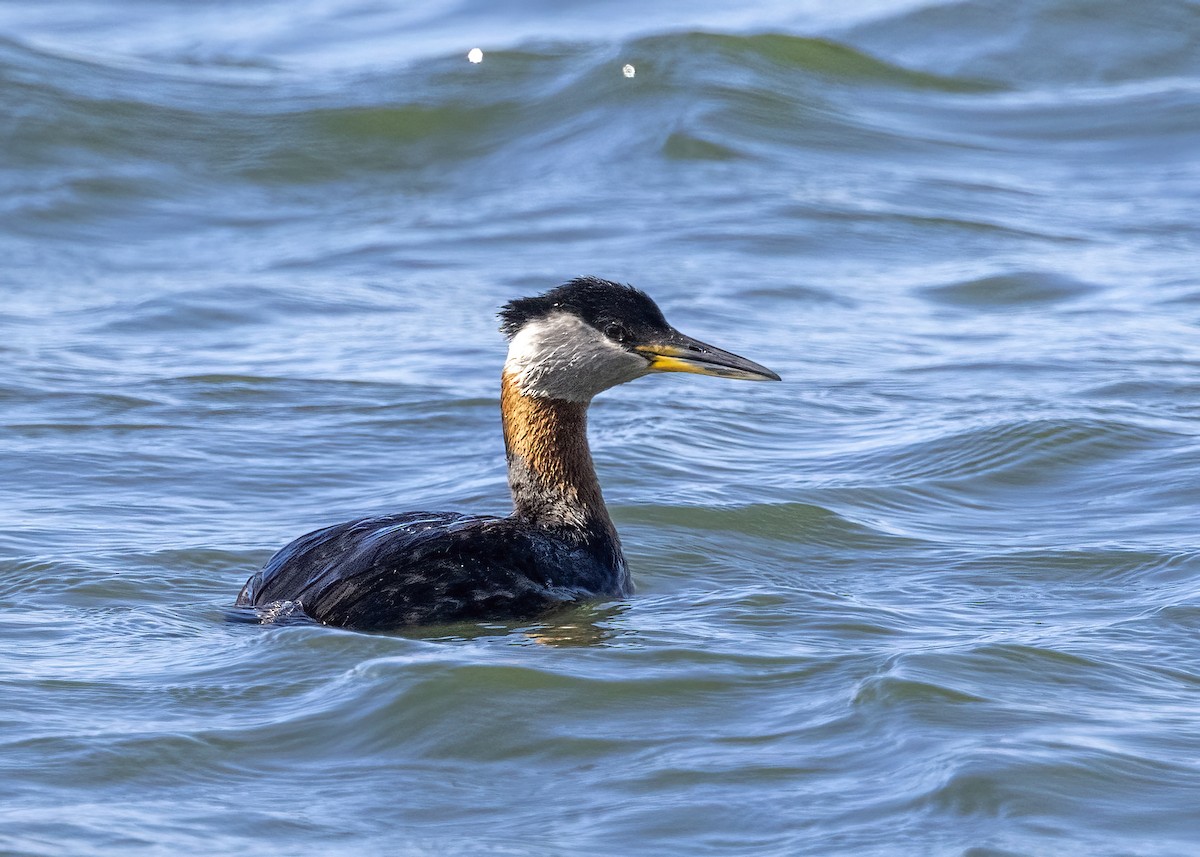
[936,593]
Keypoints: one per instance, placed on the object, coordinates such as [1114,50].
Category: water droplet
[475,55]
[628,70]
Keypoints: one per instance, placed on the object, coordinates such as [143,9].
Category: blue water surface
[937,593]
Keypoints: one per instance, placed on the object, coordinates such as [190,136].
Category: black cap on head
[600,303]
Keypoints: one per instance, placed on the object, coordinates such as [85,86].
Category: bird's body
[559,545]
[424,567]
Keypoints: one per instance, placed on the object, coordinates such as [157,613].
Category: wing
[397,570]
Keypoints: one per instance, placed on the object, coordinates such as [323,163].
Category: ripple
[832,59]
[892,691]
[788,522]
[1016,453]
[686,147]
[1028,288]
[1037,43]
[997,784]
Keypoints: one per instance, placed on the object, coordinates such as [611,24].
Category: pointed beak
[677,352]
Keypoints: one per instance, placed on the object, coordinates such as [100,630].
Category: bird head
[587,335]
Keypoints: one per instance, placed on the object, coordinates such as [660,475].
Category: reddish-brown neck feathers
[550,469]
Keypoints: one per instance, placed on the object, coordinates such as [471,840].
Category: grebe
[559,544]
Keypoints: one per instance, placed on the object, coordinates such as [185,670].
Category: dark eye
[616,332]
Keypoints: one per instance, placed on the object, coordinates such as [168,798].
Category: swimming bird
[559,544]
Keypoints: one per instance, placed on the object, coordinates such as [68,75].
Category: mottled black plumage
[422,567]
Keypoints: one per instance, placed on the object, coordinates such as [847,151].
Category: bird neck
[550,470]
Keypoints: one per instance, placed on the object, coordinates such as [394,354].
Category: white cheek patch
[562,357]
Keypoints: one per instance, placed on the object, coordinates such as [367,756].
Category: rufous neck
[550,470]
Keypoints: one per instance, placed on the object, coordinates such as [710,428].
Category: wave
[1004,291]
[1045,43]
[1014,452]
[698,96]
